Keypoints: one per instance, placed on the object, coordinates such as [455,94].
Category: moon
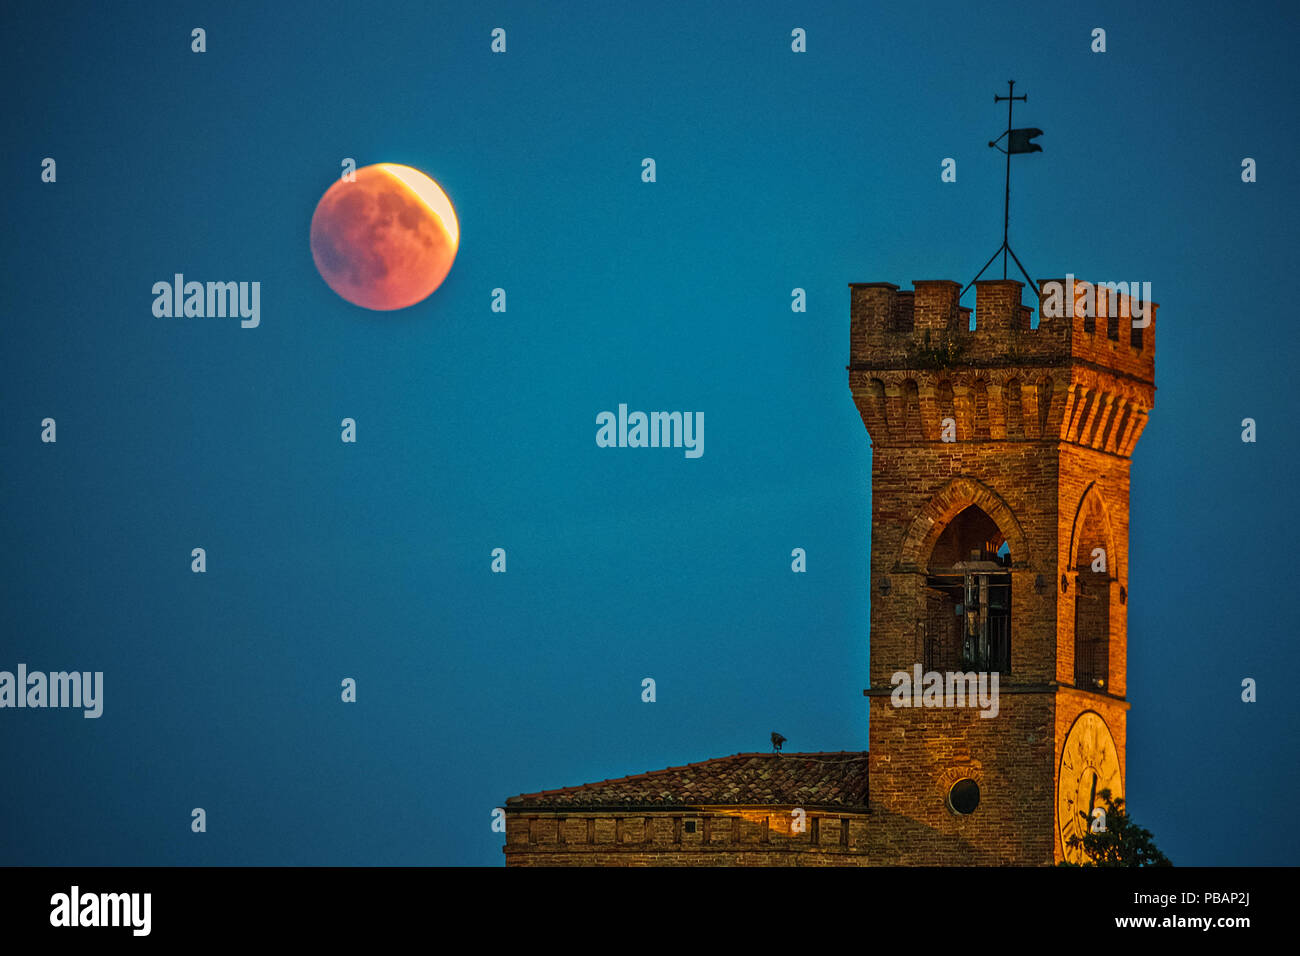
[385,240]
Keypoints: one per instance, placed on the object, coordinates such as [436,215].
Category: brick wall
[916,756]
[724,836]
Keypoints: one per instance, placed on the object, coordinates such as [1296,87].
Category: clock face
[1089,765]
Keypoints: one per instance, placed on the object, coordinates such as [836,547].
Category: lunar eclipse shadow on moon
[386,240]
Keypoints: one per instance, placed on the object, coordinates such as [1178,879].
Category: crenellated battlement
[1081,375]
[928,327]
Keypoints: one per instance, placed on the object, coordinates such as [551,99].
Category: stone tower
[1000,489]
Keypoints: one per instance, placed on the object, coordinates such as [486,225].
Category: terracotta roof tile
[754,779]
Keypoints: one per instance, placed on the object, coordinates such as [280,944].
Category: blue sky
[476,429]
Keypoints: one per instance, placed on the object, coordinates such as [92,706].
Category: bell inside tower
[967,621]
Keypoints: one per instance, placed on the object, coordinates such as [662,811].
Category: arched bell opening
[967,622]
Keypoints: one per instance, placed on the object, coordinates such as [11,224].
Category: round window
[964,796]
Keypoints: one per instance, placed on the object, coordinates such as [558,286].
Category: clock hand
[1092,803]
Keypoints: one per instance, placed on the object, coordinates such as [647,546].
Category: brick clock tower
[999,547]
[1000,489]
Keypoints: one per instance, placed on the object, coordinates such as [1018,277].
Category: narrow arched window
[1093,575]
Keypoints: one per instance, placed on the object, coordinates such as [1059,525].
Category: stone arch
[1092,497]
[1044,406]
[945,395]
[979,393]
[1092,594]
[1014,414]
[952,499]
[912,409]
[879,409]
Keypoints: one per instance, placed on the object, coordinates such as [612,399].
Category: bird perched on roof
[777,741]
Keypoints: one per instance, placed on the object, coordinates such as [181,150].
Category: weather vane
[1018,141]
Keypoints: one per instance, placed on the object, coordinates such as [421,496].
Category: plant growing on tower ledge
[946,353]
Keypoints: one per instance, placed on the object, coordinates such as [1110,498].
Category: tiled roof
[756,779]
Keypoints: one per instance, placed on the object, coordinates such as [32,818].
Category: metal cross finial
[1017,142]
[1011,88]
[1006,206]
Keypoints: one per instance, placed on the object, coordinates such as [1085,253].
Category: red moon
[385,240]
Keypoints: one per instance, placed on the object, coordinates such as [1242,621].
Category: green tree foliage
[1122,843]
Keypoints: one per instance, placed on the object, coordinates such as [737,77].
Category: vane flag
[1018,141]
